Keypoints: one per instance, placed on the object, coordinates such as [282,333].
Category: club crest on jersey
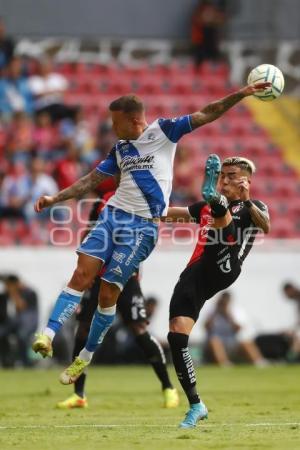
[151,136]
[237,208]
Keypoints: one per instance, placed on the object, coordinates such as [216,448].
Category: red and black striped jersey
[245,230]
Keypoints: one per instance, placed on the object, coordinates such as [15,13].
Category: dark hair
[128,104]
[288,286]
[11,278]
[225,294]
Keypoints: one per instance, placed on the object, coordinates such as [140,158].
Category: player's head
[233,169]
[128,116]
[223,301]
[12,281]
[291,291]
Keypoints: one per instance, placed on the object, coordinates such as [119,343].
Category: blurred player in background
[131,306]
[228,221]
[127,229]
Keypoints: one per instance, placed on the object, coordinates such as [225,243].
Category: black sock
[80,382]
[156,357]
[219,206]
[184,365]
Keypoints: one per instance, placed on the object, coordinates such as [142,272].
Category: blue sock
[65,306]
[102,321]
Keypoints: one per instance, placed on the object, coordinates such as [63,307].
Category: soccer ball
[267,72]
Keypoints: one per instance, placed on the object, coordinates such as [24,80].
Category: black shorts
[197,283]
[131,303]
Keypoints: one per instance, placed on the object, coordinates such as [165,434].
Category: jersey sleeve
[262,206]
[175,128]
[109,165]
[195,210]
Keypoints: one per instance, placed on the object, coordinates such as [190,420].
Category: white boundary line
[210,425]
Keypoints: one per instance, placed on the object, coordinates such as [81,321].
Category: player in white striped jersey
[126,231]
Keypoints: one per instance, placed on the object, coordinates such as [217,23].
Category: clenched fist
[44,202]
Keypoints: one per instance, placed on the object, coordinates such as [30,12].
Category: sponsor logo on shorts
[226,267]
[224,263]
[119,257]
[117,271]
[135,249]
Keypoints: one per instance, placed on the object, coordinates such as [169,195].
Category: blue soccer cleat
[212,171]
[197,411]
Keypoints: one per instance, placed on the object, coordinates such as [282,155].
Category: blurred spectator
[48,89]
[69,169]
[21,188]
[14,192]
[39,183]
[44,137]
[105,138]
[6,46]
[78,130]
[151,304]
[228,335]
[19,317]
[292,292]
[15,94]
[19,138]
[184,180]
[207,20]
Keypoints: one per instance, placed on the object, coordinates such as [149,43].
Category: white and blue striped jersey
[146,167]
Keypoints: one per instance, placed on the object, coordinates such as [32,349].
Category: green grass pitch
[248,409]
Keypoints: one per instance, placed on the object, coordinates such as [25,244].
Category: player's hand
[43,202]
[256,87]
[244,187]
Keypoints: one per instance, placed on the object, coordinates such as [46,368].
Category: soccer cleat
[212,171]
[74,401]
[43,345]
[171,398]
[197,411]
[71,373]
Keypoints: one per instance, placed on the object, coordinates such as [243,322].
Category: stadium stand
[70,148]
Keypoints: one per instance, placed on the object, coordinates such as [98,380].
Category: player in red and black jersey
[228,221]
[131,307]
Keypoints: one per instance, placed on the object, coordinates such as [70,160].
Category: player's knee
[81,279]
[181,324]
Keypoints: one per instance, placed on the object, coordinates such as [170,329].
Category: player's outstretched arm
[177,213]
[214,110]
[76,190]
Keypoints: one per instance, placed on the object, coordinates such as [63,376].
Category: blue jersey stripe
[145,181]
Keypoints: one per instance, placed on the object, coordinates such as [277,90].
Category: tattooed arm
[76,190]
[214,110]
[258,210]
[259,218]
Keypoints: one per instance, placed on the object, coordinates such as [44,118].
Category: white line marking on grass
[206,425]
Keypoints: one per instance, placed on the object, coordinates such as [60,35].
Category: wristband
[248,203]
